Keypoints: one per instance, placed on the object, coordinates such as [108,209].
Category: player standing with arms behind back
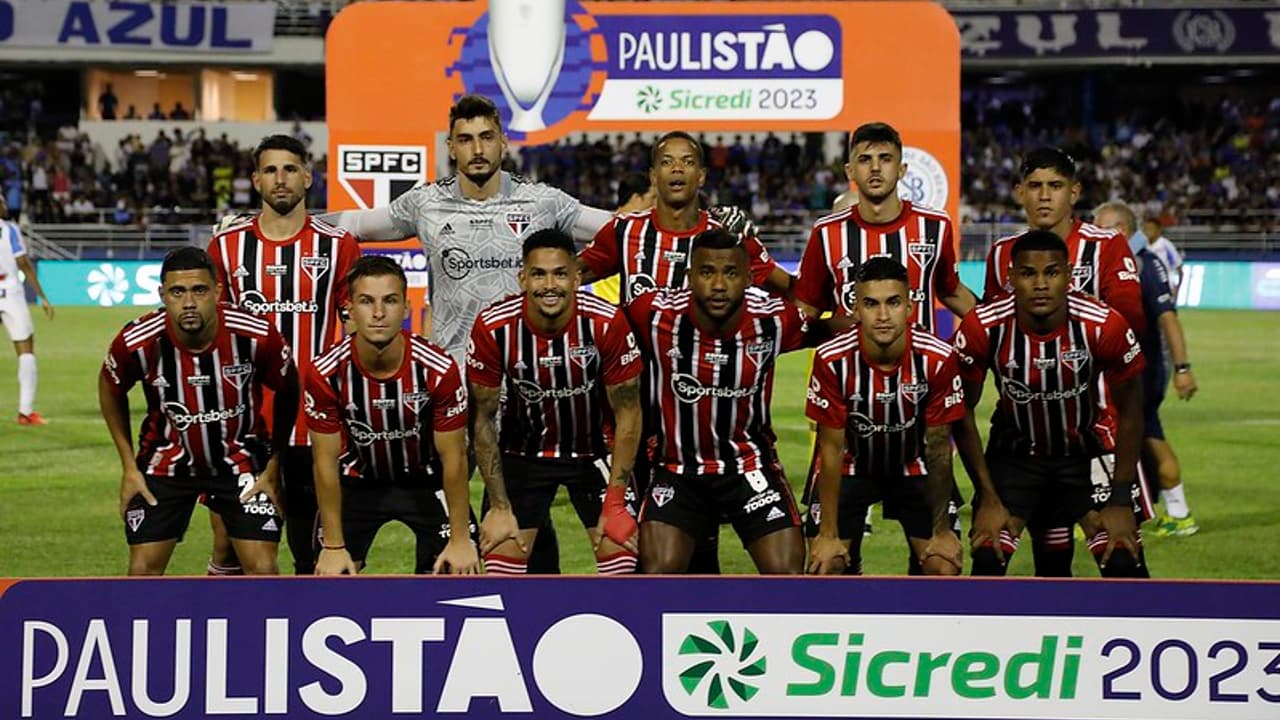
[289,268]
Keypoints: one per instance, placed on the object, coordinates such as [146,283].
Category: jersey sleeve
[1117,350]
[1157,293]
[992,288]
[825,401]
[619,353]
[640,313]
[274,359]
[220,270]
[348,254]
[484,361]
[947,278]
[403,213]
[1118,285]
[449,401]
[120,367]
[972,348]
[795,328]
[601,254]
[320,408]
[565,208]
[16,243]
[762,263]
[813,283]
[946,393]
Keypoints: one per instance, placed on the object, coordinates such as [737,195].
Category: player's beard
[480,178]
[285,205]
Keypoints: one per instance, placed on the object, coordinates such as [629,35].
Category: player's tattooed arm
[624,400]
[939,487]
[498,524]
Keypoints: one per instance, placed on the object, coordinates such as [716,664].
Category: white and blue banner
[180,25]
[639,647]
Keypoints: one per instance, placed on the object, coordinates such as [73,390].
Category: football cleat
[34,418]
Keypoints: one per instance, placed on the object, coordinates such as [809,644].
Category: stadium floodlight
[526,50]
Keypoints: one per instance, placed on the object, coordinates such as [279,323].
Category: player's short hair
[1048,157]
[288,143]
[548,239]
[375,266]
[474,106]
[875,132]
[1154,220]
[1034,240]
[716,238]
[882,268]
[1128,220]
[632,184]
[187,258]
[677,135]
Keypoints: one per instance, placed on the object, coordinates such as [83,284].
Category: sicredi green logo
[722,659]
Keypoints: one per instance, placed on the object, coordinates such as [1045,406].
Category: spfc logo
[237,373]
[662,494]
[921,252]
[1081,276]
[1075,359]
[582,355]
[315,266]
[374,175]
[518,221]
[913,391]
[415,401]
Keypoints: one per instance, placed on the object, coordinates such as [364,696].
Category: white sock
[26,383]
[1175,502]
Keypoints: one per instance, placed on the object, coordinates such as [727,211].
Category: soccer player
[1159,304]
[711,349]
[560,367]
[1164,249]
[885,396]
[387,414]
[880,223]
[15,314]
[649,249]
[204,366]
[471,225]
[1048,348]
[1101,266]
[287,267]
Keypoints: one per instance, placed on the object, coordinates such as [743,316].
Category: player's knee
[934,565]
[264,565]
[986,564]
[144,567]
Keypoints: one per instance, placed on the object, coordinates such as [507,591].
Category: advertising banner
[177,26]
[639,647]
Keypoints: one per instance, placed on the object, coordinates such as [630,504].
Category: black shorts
[890,510]
[1053,492]
[1154,384]
[532,484]
[904,498]
[176,497]
[367,507]
[756,504]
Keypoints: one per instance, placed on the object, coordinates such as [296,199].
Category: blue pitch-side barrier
[639,647]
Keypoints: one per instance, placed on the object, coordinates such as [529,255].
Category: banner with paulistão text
[639,647]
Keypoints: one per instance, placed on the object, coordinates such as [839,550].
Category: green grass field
[58,484]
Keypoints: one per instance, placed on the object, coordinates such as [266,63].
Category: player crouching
[387,412]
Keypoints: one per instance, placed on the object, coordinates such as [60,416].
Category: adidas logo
[240,272]
[447,229]
[1011,365]
[520,365]
[160,382]
[845,263]
[270,524]
[774,514]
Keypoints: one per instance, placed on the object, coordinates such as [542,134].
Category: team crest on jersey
[922,253]
[583,355]
[518,221]
[662,494]
[277,270]
[415,401]
[760,347]
[134,517]
[374,175]
[315,266]
[384,403]
[240,272]
[913,391]
[1080,276]
[1075,359]
[237,373]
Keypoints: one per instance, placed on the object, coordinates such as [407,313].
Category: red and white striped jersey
[1049,384]
[713,390]
[920,238]
[554,384]
[648,257]
[885,413]
[204,410]
[1101,266]
[297,284]
[387,424]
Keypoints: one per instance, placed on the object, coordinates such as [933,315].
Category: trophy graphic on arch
[526,50]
